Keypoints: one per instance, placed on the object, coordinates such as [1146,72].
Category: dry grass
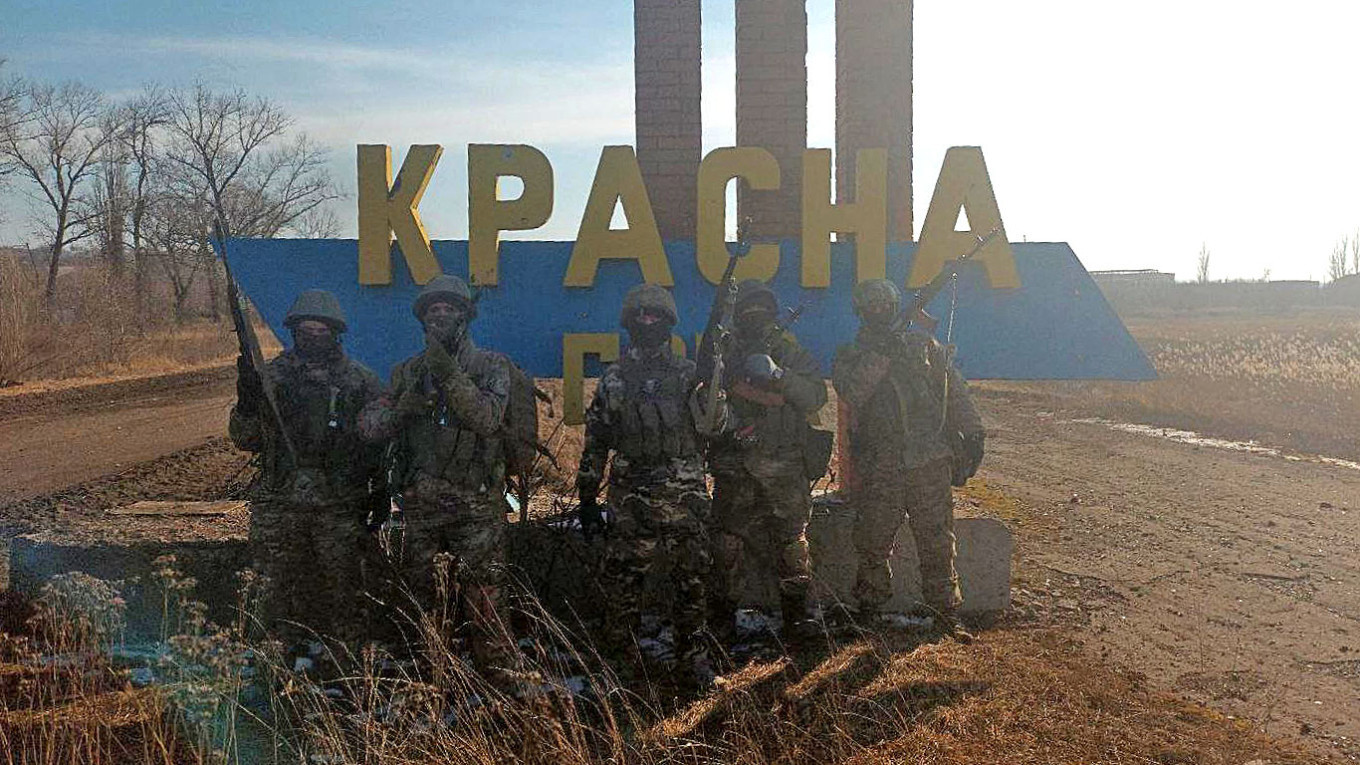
[61,698]
[96,331]
[1016,696]
[1290,381]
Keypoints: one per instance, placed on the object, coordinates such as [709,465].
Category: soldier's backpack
[520,433]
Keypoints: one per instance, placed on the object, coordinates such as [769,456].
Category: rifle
[717,332]
[779,327]
[247,340]
[916,310]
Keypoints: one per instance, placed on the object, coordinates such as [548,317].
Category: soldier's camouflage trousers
[885,492]
[759,531]
[313,559]
[453,564]
[656,562]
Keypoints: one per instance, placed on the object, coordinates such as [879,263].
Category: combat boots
[798,629]
[947,626]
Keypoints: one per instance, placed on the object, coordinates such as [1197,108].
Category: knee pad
[793,559]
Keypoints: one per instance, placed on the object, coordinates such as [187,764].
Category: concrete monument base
[985,547]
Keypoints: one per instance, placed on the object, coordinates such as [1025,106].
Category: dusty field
[1287,380]
[1228,577]
[1174,602]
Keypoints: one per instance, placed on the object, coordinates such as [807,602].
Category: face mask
[648,335]
[316,347]
[878,320]
[754,324]
[447,328]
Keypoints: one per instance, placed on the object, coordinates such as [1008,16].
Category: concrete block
[985,547]
[33,560]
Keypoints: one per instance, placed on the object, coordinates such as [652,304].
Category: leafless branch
[55,146]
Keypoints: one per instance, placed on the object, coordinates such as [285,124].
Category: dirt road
[1230,577]
[52,440]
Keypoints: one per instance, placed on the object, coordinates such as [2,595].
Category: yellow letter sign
[488,215]
[386,208]
[963,185]
[760,170]
[575,346]
[866,217]
[618,179]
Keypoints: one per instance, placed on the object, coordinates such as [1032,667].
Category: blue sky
[1134,132]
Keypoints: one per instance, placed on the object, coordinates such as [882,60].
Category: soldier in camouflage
[761,503]
[309,506]
[449,468]
[646,411]
[914,432]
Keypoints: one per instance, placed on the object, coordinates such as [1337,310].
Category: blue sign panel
[1056,326]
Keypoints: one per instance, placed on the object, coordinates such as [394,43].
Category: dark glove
[882,342]
[761,369]
[438,360]
[414,403]
[590,517]
[379,509]
[249,387]
[968,458]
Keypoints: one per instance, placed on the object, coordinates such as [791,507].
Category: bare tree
[55,146]
[116,208]
[235,152]
[173,234]
[11,97]
[11,94]
[1336,264]
[318,223]
[144,116]
[105,208]
[1202,268]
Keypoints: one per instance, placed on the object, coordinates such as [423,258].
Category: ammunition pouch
[966,453]
[817,447]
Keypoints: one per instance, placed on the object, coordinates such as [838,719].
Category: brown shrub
[96,328]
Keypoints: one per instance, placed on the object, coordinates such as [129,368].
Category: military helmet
[316,305]
[650,296]
[752,290]
[444,289]
[880,293]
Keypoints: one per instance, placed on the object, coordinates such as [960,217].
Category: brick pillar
[667,87]
[772,108]
[873,99]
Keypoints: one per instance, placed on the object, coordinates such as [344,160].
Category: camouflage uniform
[904,450]
[761,502]
[449,467]
[656,559]
[307,520]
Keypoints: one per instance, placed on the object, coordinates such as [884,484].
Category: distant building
[1344,291]
[1133,278]
[1131,291]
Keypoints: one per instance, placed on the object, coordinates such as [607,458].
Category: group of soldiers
[337,446]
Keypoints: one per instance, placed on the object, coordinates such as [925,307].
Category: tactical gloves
[249,388]
[882,342]
[438,360]
[761,369]
[590,516]
[379,509]
[968,457]
[414,403]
